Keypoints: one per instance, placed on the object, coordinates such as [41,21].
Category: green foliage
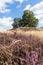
[28,20]
[16,23]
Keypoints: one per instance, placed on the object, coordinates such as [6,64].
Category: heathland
[21,46]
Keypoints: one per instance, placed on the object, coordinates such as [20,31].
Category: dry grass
[25,31]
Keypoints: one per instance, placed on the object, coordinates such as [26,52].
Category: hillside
[21,46]
[28,31]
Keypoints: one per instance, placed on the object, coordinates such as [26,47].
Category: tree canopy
[28,20]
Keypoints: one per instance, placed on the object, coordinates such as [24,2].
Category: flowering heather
[21,50]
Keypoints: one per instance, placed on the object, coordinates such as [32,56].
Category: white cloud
[37,9]
[19,1]
[3,5]
[18,6]
[27,7]
[1,28]
[3,10]
[6,23]
[3,2]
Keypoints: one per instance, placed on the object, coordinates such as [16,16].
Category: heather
[21,50]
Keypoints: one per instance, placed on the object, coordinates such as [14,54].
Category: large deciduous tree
[28,20]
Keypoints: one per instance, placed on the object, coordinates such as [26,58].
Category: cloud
[18,6]
[1,28]
[4,10]
[3,2]
[27,7]
[37,9]
[19,1]
[3,5]
[6,23]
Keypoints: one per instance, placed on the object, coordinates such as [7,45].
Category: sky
[10,9]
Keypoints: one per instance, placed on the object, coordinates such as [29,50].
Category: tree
[16,23]
[28,20]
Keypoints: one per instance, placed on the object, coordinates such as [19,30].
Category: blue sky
[10,9]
